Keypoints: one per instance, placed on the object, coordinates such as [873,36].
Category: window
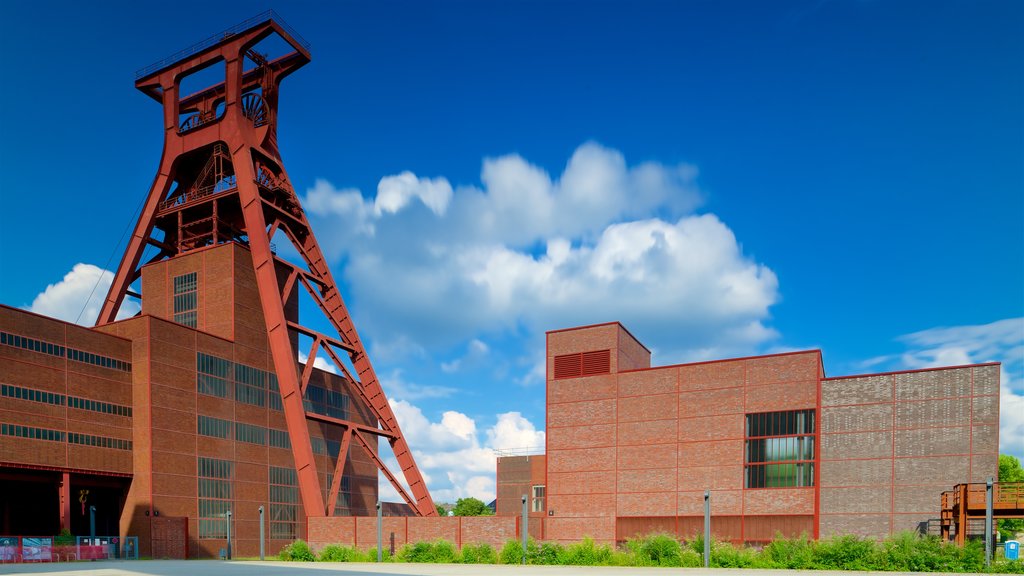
[31,433]
[538,499]
[320,400]
[279,439]
[212,375]
[213,427]
[250,385]
[185,299]
[250,434]
[780,449]
[214,496]
[284,503]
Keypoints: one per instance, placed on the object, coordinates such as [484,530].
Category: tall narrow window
[214,496]
[538,499]
[284,503]
[185,299]
[780,449]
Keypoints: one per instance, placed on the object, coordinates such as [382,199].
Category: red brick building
[631,448]
[167,419]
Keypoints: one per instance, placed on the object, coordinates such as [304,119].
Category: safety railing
[216,38]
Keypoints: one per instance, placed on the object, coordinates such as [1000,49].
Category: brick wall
[361,532]
[892,443]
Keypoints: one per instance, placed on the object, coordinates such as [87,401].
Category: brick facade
[157,476]
[632,450]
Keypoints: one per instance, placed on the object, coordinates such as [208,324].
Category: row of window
[218,428]
[59,400]
[99,441]
[33,433]
[214,375]
[320,400]
[51,349]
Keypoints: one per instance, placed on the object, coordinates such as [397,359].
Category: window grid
[51,349]
[279,439]
[31,433]
[250,434]
[284,500]
[186,299]
[779,449]
[538,498]
[99,441]
[213,427]
[44,397]
[214,496]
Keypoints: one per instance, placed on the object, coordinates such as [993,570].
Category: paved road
[220,568]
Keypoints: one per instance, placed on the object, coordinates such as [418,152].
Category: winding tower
[221,179]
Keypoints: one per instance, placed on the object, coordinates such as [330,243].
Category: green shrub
[547,553]
[846,552]
[586,553]
[65,538]
[725,555]
[371,555]
[688,558]
[792,553]
[479,554]
[437,552]
[297,551]
[338,553]
[512,552]
[656,550]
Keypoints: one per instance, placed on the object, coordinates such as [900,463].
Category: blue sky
[723,178]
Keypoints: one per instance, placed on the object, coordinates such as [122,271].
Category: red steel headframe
[220,147]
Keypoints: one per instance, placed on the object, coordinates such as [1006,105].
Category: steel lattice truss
[221,179]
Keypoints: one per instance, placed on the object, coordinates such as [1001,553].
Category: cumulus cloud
[1001,341]
[455,459]
[319,362]
[525,251]
[79,296]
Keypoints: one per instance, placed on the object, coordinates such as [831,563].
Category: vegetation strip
[904,552]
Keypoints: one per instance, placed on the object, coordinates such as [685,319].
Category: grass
[906,552]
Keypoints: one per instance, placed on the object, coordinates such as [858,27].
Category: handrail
[216,38]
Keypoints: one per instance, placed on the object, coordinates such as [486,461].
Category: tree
[471,507]
[1010,471]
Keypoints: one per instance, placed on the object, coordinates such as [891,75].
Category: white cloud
[79,296]
[451,454]
[395,192]
[1000,341]
[319,362]
[528,252]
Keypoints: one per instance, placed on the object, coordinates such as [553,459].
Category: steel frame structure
[221,179]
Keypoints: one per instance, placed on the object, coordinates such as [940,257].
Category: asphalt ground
[221,568]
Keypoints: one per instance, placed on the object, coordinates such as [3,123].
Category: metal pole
[707,528]
[525,531]
[92,525]
[988,522]
[262,539]
[227,516]
[380,533]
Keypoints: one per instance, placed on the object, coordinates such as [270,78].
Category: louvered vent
[599,362]
[583,364]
